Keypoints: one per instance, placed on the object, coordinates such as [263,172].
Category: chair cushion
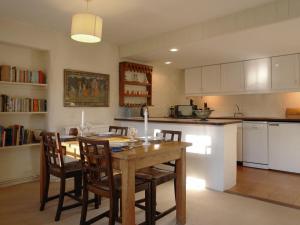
[155,174]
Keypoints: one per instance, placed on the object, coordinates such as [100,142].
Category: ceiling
[275,39]
[125,21]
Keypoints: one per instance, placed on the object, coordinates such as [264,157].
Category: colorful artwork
[85,89]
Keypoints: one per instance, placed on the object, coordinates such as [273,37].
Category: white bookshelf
[23,113]
[20,163]
[23,84]
[20,146]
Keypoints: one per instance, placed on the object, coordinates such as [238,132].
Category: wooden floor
[277,187]
[19,205]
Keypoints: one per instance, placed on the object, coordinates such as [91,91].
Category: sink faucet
[238,113]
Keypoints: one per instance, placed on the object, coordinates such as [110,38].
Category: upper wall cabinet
[285,72]
[211,79]
[232,77]
[193,81]
[257,74]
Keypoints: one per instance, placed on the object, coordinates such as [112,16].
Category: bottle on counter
[205,106]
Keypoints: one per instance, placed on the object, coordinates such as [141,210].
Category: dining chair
[99,178]
[61,166]
[118,130]
[73,131]
[157,176]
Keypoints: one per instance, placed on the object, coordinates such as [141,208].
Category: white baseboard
[11,182]
[256,165]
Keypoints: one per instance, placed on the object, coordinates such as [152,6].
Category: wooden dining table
[137,157]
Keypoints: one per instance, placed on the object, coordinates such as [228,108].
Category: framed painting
[85,89]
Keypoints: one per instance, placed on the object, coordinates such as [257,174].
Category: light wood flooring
[273,186]
[19,205]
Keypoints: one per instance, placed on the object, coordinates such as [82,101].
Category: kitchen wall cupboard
[257,74]
[284,151]
[211,79]
[285,72]
[193,81]
[232,77]
[266,75]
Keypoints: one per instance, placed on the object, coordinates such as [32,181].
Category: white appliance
[255,144]
[284,146]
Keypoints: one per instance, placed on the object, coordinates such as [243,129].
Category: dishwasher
[255,144]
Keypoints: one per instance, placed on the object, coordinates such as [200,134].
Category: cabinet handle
[274,124]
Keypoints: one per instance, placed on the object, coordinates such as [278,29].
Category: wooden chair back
[73,131]
[171,135]
[119,130]
[53,150]
[96,162]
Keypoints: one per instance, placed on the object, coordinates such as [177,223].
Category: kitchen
[256,93]
[222,75]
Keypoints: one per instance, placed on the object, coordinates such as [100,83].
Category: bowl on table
[203,114]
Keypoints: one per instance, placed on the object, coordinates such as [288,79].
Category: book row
[16,104]
[16,135]
[14,74]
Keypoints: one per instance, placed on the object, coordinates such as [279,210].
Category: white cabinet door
[193,81]
[232,77]
[258,74]
[284,147]
[211,79]
[285,72]
[255,143]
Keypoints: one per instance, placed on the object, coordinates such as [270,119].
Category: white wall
[67,54]
[270,105]
[167,90]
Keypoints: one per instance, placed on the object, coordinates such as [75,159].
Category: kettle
[143,108]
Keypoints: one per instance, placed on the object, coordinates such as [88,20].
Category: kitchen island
[211,160]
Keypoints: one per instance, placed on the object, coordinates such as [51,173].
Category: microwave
[183,111]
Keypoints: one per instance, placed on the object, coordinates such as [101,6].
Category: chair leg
[85,199]
[45,192]
[61,198]
[112,209]
[78,185]
[153,203]
[148,212]
[175,189]
[97,201]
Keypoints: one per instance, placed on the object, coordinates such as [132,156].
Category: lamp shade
[86,27]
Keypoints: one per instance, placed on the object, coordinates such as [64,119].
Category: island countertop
[218,122]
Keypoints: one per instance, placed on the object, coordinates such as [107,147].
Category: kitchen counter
[211,160]
[217,121]
[267,119]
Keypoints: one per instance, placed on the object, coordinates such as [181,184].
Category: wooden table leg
[128,190]
[181,189]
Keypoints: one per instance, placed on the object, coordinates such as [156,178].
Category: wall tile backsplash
[269,105]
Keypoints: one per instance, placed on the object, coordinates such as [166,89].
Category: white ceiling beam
[274,12]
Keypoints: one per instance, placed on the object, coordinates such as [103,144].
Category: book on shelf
[17,135]
[17,104]
[15,74]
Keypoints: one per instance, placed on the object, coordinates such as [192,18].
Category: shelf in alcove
[24,113]
[24,84]
[19,146]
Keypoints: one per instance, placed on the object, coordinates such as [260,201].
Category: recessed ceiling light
[173,50]
[168,62]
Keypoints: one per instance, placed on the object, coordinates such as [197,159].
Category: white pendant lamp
[86,27]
